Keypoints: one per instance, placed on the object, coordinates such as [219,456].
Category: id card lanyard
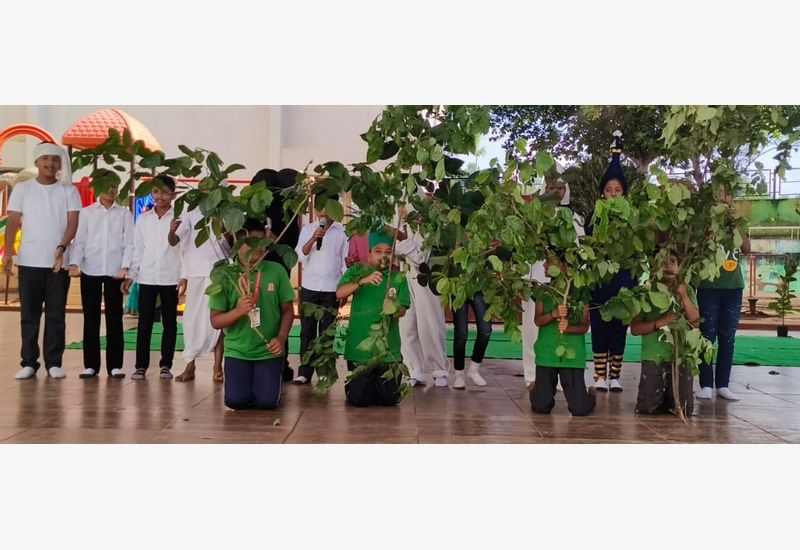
[255,313]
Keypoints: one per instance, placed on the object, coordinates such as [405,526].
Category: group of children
[110,254]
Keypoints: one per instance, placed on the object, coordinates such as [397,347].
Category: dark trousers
[579,401]
[370,389]
[169,318]
[460,326]
[37,286]
[655,389]
[310,327]
[93,291]
[720,310]
[607,336]
[253,384]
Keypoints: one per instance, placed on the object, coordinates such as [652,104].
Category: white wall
[257,136]
[321,133]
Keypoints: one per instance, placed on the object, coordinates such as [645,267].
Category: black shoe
[288,373]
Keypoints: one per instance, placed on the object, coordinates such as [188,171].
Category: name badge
[255,317]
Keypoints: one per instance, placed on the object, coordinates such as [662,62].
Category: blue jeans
[460,326]
[253,384]
[720,310]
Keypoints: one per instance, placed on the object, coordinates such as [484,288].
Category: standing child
[199,337]
[655,386]
[156,267]
[608,337]
[100,256]
[256,326]
[47,206]
[721,306]
[369,286]
[561,332]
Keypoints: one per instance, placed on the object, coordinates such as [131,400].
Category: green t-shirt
[241,341]
[730,275]
[549,339]
[653,348]
[366,309]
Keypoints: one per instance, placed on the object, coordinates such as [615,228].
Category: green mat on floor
[750,350]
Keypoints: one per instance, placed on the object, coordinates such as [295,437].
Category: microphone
[321,226]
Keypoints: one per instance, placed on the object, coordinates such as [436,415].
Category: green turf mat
[750,350]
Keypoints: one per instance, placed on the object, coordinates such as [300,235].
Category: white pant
[199,337]
[422,332]
[529,334]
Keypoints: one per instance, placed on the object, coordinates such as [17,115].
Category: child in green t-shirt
[560,351]
[254,365]
[368,286]
[655,386]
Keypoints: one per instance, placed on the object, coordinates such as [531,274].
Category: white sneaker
[440,381]
[726,393]
[601,385]
[117,373]
[475,376]
[56,372]
[705,393]
[24,373]
[614,385]
[459,383]
[300,380]
[87,373]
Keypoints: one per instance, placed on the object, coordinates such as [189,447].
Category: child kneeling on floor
[560,351]
[368,286]
[655,385]
[254,365]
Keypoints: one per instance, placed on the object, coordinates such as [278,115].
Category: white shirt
[44,220]
[104,242]
[198,262]
[411,248]
[155,262]
[323,268]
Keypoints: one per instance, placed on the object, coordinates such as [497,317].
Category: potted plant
[783,303]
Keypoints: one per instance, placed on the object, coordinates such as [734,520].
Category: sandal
[138,374]
[165,374]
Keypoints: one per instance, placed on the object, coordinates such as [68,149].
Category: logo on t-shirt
[271,287]
[731,263]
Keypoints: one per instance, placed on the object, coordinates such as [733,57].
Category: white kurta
[199,337]
[422,328]
[530,332]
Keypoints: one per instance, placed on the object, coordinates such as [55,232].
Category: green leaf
[201,238]
[497,264]
[544,162]
[660,299]
[553,271]
[675,194]
[233,218]
[454,216]
[439,173]
[334,209]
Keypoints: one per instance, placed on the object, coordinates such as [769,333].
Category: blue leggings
[253,384]
[720,310]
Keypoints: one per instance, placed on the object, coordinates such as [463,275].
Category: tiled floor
[101,410]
